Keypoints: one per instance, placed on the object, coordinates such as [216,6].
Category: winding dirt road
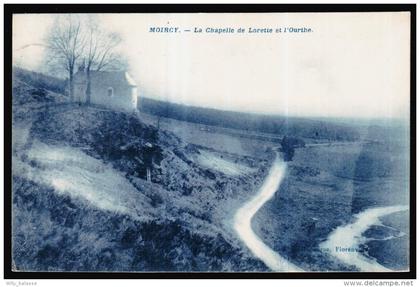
[243,218]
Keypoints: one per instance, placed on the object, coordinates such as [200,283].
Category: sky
[350,65]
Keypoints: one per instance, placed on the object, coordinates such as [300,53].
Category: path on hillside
[244,215]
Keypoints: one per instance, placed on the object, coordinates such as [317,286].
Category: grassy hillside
[81,200]
[40,81]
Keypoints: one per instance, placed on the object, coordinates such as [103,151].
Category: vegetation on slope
[55,230]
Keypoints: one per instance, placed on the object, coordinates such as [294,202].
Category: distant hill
[280,125]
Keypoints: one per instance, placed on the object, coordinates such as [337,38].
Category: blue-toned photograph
[211,142]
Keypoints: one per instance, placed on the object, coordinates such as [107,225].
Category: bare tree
[65,44]
[100,52]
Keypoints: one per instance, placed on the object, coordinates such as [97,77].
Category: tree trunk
[71,86]
[88,88]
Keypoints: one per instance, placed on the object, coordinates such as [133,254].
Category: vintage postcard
[211,142]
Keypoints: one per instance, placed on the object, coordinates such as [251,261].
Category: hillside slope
[81,201]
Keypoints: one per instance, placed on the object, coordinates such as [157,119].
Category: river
[343,243]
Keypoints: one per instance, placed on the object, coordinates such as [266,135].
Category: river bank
[345,242]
